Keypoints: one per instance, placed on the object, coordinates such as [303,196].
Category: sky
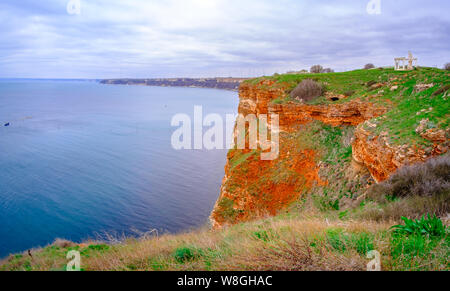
[213,38]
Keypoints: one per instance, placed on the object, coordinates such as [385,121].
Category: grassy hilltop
[396,90]
[330,226]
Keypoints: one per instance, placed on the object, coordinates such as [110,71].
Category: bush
[411,192]
[447,66]
[369,66]
[316,69]
[431,227]
[327,70]
[186,254]
[413,207]
[307,90]
[426,180]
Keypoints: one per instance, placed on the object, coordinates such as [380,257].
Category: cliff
[329,143]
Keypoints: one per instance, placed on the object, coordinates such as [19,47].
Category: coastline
[230,84]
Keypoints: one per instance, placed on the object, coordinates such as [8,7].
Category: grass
[415,253]
[404,103]
[285,242]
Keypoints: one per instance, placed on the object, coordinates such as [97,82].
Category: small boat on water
[7,124]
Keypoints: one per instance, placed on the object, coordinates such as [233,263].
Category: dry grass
[411,207]
[301,254]
[271,244]
[279,243]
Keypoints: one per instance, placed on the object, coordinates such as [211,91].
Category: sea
[84,161]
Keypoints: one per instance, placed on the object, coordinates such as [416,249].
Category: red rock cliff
[252,187]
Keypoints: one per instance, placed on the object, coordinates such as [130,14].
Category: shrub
[411,192]
[413,207]
[186,254]
[307,90]
[327,70]
[431,227]
[426,179]
[447,66]
[316,69]
[369,66]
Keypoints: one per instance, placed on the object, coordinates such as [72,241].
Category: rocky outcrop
[261,188]
[254,188]
[382,158]
[255,98]
[350,113]
[258,99]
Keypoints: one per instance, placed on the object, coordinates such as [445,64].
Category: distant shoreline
[231,84]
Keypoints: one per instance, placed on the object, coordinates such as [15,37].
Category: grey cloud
[247,37]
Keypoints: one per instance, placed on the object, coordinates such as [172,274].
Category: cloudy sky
[168,38]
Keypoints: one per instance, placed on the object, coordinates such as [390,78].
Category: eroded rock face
[351,113]
[382,159]
[430,133]
[254,98]
[257,99]
[252,189]
[256,188]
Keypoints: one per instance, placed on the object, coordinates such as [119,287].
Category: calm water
[81,158]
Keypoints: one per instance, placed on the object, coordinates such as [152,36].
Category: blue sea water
[81,159]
